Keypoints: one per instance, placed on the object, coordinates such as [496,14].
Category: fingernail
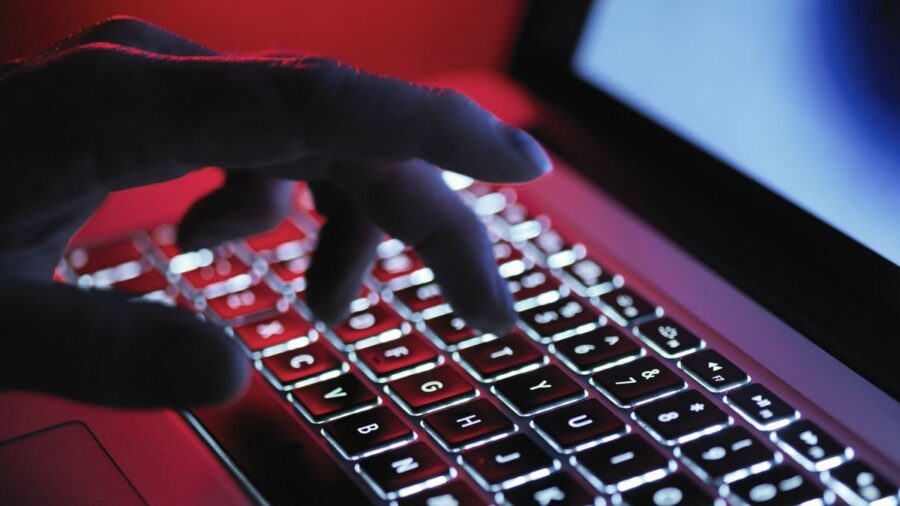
[530,149]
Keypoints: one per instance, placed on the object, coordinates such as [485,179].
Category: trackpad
[61,465]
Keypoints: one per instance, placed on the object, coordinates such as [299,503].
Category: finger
[411,202]
[254,112]
[246,204]
[96,347]
[135,33]
[344,253]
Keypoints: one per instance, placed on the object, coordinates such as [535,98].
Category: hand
[125,103]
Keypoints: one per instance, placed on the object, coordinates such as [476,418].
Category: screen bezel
[832,289]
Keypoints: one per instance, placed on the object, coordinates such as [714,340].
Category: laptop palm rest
[64,464]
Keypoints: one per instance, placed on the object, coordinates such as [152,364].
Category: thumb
[100,348]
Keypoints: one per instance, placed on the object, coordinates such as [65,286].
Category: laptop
[707,284]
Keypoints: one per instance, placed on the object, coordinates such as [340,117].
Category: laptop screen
[789,93]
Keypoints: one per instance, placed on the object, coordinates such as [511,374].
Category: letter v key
[337,392]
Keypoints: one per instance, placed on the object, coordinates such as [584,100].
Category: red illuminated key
[85,260]
[465,424]
[502,463]
[368,432]
[504,252]
[451,329]
[587,278]
[432,389]
[538,390]
[456,492]
[562,318]
[402,264]
[274,331]
[370,322]
[502,356]
[150,281]
[256,299]
[332,398]
[221,269]
[531,283]
[421,297]
[398,355]
[292,272]
[283,241]
[313,361]
[394,473]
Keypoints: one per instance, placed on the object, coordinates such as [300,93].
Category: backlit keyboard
[597,397]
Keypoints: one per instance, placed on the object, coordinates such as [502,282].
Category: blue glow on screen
[790,93]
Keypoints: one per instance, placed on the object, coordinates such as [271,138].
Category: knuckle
[447,100]
[117,29]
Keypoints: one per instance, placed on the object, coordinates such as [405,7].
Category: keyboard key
[514,213]
[410,353]
[637,381]
[284,241]
[556,250]
[418,298]
[397,267]
[502,357]
[452,494]
[780,485]
[431,390]
[504,252]
[532,283]
[669,338]
[681,417]
[313,362]
[577,426]
[811,446]
[623,463]
[332,398]
[626,307]
[669,491]
[369,432]
[485,202]
[291,273]
[559,488]
[857,483]
[451,330]
[90,259]
[726,456]
[369,326]
[597,349]
[527,230]
[275,331]
[507,462]
[761,407]
[468,424]
[144,283]
[565,317]
[400,472]
[539,390]
[588,279]
[247,303]
[224,274]
[715,372]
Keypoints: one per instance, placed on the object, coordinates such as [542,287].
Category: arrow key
[334,398]
[715,372]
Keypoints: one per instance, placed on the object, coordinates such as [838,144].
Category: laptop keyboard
[597,397]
